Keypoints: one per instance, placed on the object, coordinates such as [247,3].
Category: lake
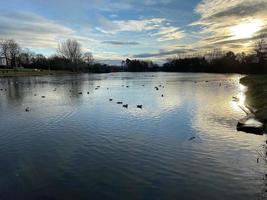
[182,145]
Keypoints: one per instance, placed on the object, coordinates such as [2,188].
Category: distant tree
[261,50]
[40,61]
[14,50]
[215,54]
[230,55]
[10,49]
[58,63]
[26,58]
[71,50]
[139,65]
[88,58]
[4,50]
[123,65]
[241,58]
[127,62]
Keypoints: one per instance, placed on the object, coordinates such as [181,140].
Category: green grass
[257,94]
[29,72]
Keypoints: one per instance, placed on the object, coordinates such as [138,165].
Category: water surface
[183,145]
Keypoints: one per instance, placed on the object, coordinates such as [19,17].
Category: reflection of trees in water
[15,91]
[74,88]
[17,88]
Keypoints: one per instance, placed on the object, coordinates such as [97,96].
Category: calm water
[72,146]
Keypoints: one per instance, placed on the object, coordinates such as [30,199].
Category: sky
[113,30]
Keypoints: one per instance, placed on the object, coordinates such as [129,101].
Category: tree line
[70,57]
[139,66]
[216,61]
[222,62]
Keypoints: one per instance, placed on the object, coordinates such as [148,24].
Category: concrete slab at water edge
[250,124]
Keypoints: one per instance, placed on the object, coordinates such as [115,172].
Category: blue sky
[149,29]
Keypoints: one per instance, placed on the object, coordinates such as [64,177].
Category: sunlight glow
[239,102]
[246,29]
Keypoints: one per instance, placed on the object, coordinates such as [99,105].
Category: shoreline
[256,98]
[9,73]
[24,72]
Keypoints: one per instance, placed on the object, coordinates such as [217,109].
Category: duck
[119,102]
[162,95]
[156,88]
[27,109]
[88,92]
[192,138]
[139,106]
[80,93]
[43,96]
[110,99]
[125,106]
[236,99]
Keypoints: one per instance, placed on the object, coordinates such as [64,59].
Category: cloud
[231,23]
[163,53]
[113,27]
[120,43]
[169,33]
[158,27]
[31,30]
[219,8]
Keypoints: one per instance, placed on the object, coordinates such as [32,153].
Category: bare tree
[241,57]
[10,50]
[5,50]
[88,58]
[71,50]
[14,52]
[26,57]
[261,50]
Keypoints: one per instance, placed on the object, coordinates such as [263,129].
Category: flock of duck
[140,106]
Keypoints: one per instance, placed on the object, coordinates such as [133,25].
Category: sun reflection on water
[239,101]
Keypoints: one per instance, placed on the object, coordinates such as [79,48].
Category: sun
[246,29]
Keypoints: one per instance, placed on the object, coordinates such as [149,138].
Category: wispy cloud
[157,27]
[231,23]
[163,53]
[120,43]
[169,33]
[32,30]
[112,27]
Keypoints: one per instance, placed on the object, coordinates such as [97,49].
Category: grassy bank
[29,72]
[257,95]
